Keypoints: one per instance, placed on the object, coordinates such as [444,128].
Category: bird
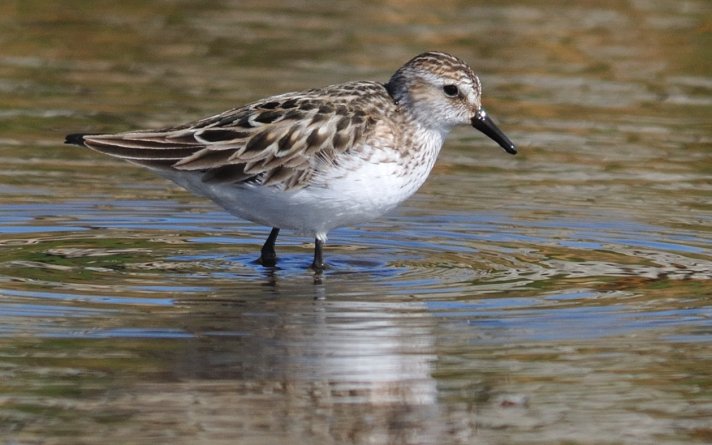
[314,160]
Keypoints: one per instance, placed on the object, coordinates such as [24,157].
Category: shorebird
[315,160]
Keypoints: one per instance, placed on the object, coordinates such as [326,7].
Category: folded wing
[280,141]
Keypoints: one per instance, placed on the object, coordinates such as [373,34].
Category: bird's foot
[267,259]
[318,268]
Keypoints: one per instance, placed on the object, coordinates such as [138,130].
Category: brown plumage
[280,140]
[318,159]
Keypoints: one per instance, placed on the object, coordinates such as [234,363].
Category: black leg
[268,257]
[318,263]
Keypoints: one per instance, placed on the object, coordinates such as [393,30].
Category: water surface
[559,296]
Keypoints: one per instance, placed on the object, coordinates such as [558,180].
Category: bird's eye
[451,90]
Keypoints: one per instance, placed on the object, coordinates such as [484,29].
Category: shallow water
[559,296]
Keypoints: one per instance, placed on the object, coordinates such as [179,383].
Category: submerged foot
[268,256]
[269,260]
[317,267]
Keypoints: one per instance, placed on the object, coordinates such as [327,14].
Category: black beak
[485,124]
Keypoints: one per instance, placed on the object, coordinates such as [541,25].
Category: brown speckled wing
[282,140]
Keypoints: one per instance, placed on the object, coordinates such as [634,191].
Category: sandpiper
[314,160]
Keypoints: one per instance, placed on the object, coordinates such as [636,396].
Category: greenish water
[562,296]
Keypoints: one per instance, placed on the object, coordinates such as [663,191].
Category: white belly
[355,191]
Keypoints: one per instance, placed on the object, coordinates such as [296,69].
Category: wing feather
[280,141]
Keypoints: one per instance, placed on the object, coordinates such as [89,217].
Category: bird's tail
[75,139]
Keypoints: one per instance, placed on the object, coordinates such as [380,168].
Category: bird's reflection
[293,346]
[271,278]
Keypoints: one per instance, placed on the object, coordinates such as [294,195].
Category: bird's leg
[268,257]
[318,263]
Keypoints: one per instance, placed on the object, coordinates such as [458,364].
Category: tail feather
[76,139]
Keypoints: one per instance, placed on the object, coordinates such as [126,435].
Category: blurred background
[562,295]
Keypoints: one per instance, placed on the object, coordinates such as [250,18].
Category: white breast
[357,189]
